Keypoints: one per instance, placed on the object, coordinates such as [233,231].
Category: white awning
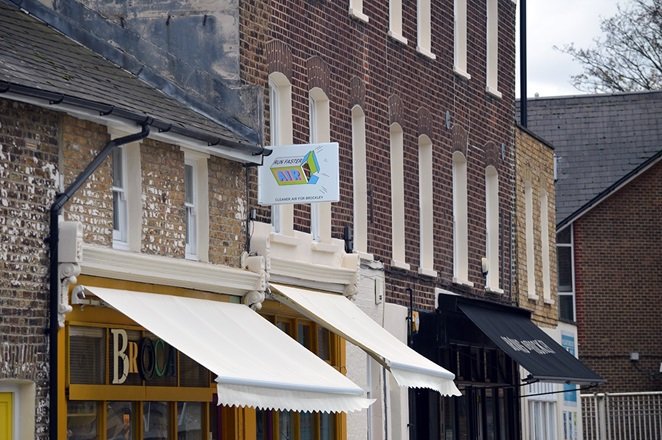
[339,315]
[256,363]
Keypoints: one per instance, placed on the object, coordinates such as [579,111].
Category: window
[280,126]
[356,10]
[424,45]
[460,219]
[196,204]
[530,245]
[360,180]
[119,198]
[397,198]
[319,123]
[395,21]
[493,47]
[426,205]
[127,194]
[544,247]
[492,227]
[566,273]
[287,425]
[542,420]
[460,46]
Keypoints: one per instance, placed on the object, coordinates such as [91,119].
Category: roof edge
[641,168]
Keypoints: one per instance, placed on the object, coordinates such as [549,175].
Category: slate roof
[38,61]
[598,140]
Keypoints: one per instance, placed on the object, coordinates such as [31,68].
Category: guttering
[53,245]
[107,110]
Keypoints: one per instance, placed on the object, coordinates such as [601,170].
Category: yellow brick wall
[535,164]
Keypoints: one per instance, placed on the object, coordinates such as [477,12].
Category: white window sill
[549,301]
[283,239]
[533,297]
[329,248]
[493,92]
[120,245]
[397,37]
[427,272]
[358,15]
[191,257]
[494,290]
[400,265]
[426,53]
[461,73]
[365,256]
[460,282]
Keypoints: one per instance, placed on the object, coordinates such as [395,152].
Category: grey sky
[557,23]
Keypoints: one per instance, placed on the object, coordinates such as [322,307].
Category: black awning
[514,333]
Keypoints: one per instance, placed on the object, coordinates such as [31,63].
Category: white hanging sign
[306,173]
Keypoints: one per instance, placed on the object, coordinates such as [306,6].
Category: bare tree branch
[628,55]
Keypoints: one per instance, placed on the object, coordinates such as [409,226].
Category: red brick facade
[362,56]
[618,251]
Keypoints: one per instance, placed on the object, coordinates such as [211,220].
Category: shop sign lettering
[148,357]
[534,345]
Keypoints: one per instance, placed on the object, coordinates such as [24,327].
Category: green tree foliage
[627,56]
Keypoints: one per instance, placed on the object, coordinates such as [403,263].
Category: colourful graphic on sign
[296,170]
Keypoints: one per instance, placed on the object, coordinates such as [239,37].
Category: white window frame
[544,247]
[395,21]
[356,10]
[320,131]
[530,241]
[542,420]
[426,206]
[396,137]
[280,114]
[492,231]
[460,221]
[572,271]
[460,38]
[199,248]
[360,179]
[119,190]
[424,28]
[492,74]
[129,236]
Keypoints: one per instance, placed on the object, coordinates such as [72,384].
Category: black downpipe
[522,63]
[53,245]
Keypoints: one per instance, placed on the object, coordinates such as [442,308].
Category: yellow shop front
[146,361]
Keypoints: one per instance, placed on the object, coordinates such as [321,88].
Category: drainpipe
[522,64]
[53,245]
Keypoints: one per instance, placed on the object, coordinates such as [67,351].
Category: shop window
[122,421]
[82,420]
[542,420]
[190,421]
[290,425]
[157,420]
[87,356]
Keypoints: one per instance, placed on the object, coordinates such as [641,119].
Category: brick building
[126,322]
[608,195]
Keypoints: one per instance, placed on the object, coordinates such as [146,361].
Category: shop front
[485,344]
[160,362]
